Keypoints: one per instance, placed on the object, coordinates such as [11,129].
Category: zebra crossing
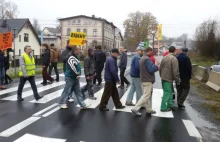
[51,108]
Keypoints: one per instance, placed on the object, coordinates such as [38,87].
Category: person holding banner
[2,69]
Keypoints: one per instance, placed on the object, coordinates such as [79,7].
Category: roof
[118,31]
[53,30]
[18,24]
[93,17]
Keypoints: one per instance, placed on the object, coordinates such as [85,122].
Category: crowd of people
[175,66]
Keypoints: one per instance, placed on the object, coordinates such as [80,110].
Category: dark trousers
[110,90]
[45,75]
[54,65]
[98,75]
[88,87]
[64,66]
[182,91]
[7,78]
[31,80]
[123,78]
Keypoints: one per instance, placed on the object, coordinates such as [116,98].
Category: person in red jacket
[165,53]
[152,58]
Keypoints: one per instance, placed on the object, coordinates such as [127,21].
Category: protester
[122,66]
[89,71]
[169,71]
[136,85]
[27,72]
[72,77]
[65,54]
[2,69]
[185,69]
[111,78]
[147,70]
[54,57]
[8,79]
[100,59]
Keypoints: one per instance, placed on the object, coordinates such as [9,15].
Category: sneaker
[86,106]
[71,100]
[92,98]
[129,104]
[136,112]
[39,97]
[63,106]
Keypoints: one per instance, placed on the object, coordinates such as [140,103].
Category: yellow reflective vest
[29,65]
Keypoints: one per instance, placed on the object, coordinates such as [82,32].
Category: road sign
[5,40]
[77,38]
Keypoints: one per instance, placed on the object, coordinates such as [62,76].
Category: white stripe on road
[14,129]
[191,128]
[50,112]
[44,110]
[52,96]
[34,138]
[16,88]
[30,92]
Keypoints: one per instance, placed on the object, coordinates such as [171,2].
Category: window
[26,37]
[78,20]
[68,31]
[74,21]
[69,22]
[85,31]
[78,30]
[95,32]
[19,38]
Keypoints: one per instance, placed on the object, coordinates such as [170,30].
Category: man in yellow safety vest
[27,72]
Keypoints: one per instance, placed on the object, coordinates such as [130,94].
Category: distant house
[51,35]
[25,35]
[118,38]
[178,44]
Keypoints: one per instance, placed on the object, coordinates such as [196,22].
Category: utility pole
[14,36]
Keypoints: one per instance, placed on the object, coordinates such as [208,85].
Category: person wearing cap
[169,71]
[185,69]
[136,85]
[111,79]
[89,71]
[122,66]
[147,70]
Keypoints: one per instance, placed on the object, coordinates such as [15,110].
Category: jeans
[182,91]
[31,80]
[46,76]
[98,75]
[136,86]
[54,65]
[88,87]
[2,75]
[72,85]
[167,95]
[123,78]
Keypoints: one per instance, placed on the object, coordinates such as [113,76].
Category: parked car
[216,67]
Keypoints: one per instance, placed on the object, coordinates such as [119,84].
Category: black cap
[184,49]
[115,50]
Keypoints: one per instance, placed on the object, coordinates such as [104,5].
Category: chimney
[93,16]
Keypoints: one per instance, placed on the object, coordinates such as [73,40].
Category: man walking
[122,66]
[89,70]
[100,59]
[54,57]
[169,71]
[27,72]
[72,76]
[147,70]
[8,79]
[111,78]
[185,69]
[136,85]
[65,54]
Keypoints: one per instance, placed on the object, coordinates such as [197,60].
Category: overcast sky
[177,16]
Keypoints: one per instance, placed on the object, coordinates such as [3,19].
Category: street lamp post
[14,36]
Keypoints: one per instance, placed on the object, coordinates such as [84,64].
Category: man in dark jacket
[111,78]
[54,57]
[2,69]
[46,63]
[8,79]
[89,70]
[100,59]
[185,69]
[122,66]
[64,56]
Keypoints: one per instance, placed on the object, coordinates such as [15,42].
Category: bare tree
[8,10]
[138,28]
[36,26]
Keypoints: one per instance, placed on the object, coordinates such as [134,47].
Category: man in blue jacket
[185,69]
[147,70]
[136,85]
[111,78]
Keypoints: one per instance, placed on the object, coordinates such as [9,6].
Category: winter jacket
[54,55]
[111,70]
[165,53]
[100,59]
[135,66]
[73,67]
[169,69]
[2,59]
[89,66]
[46,57]
[123,61]
[185,67]
[66,53]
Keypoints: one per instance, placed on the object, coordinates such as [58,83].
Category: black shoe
[57,80]
[181,106]
[39,97]
[20,99]
[103,109]
[10,81]
[174,97]
[120,107]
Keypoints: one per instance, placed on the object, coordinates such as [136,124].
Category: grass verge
[201,60]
